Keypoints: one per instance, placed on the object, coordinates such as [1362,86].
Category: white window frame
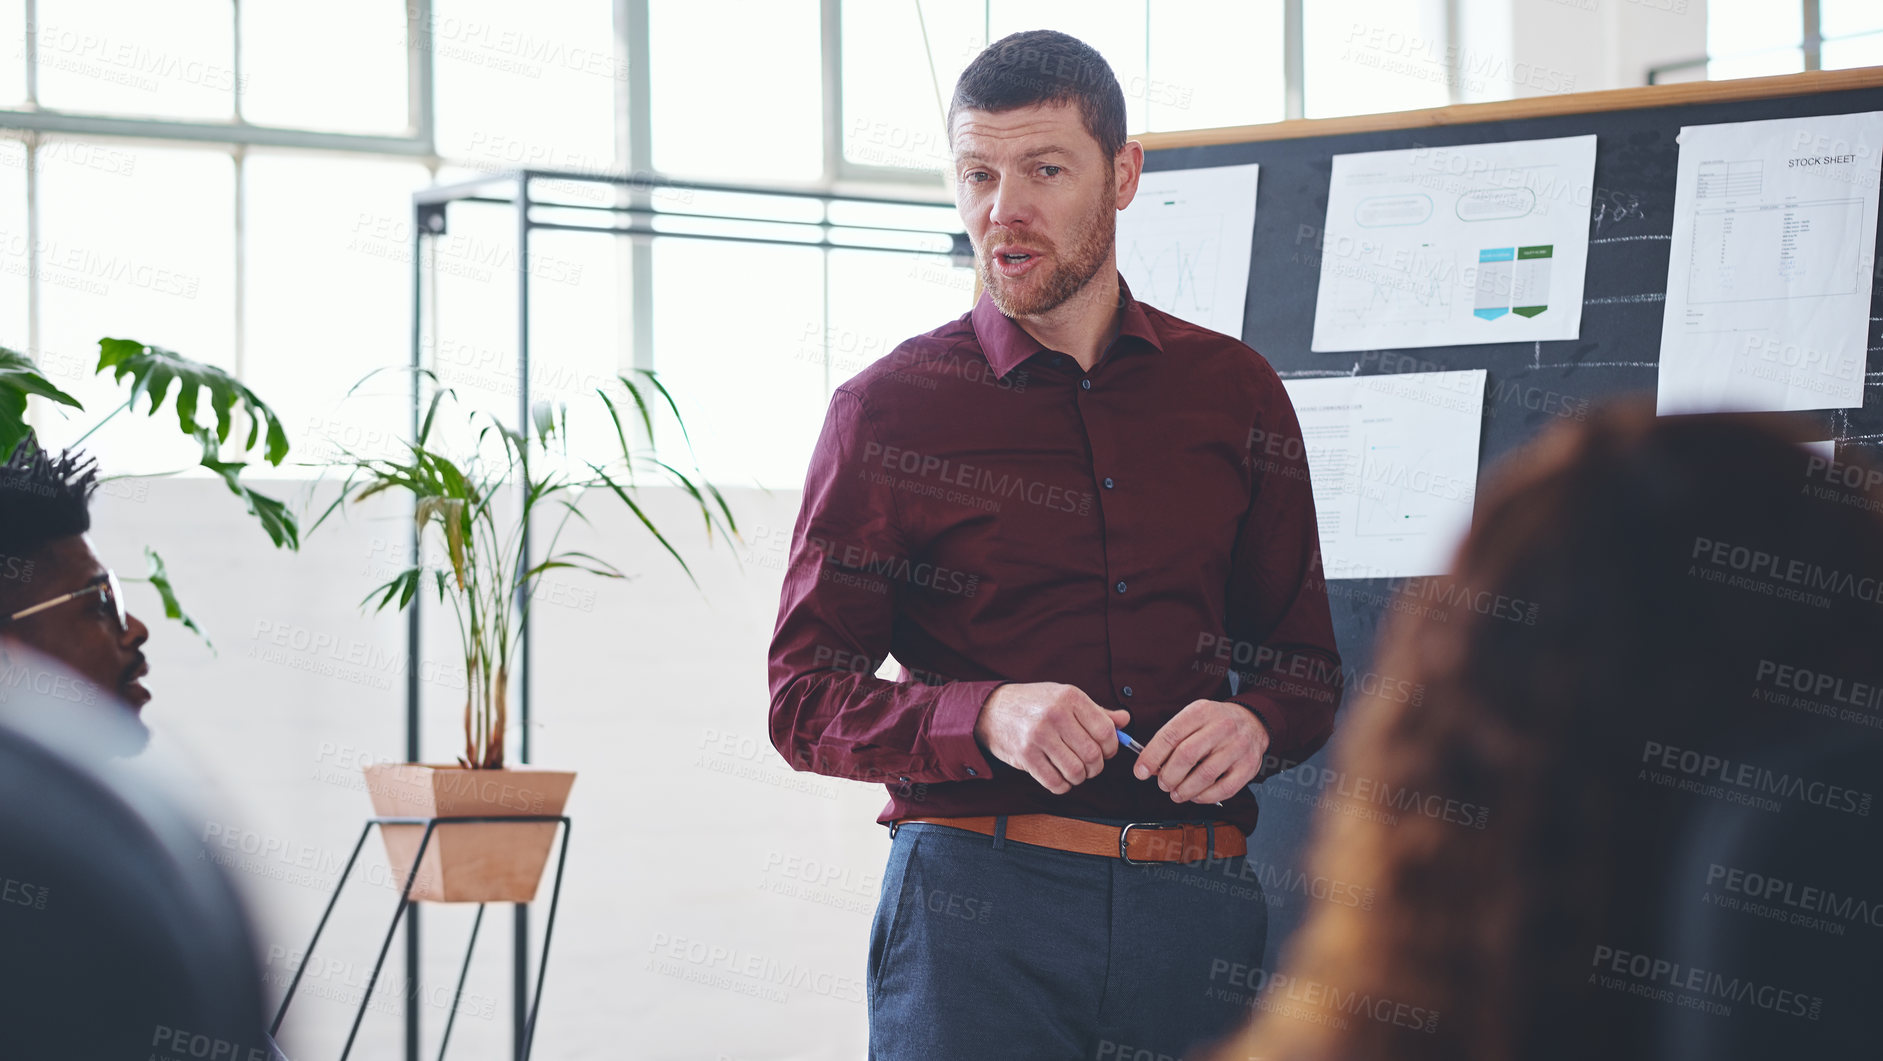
[32,122]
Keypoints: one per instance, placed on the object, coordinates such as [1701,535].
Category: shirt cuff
[1266,712]
[951,730]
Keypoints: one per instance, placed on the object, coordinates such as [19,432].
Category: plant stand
[430,824]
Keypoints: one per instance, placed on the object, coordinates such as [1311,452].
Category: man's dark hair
[1045,66]
[43,498]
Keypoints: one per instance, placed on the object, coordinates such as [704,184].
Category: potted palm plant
[471,509]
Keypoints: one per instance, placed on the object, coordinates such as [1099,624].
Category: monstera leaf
[159,578]
[275,516]
[151,372]
[153,369]
[19,379]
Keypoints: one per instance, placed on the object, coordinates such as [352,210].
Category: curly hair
[1637,539]
[42,498]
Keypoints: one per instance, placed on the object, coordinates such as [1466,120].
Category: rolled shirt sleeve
[829,712]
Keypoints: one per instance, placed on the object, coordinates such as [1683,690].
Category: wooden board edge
[1618,99]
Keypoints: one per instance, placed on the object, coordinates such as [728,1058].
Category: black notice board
[1527,386]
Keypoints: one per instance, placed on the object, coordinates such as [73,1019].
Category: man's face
[83,634]
[1040,201]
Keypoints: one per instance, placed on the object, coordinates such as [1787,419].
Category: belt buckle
[1124,835]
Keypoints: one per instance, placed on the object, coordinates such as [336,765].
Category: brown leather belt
[1135,843]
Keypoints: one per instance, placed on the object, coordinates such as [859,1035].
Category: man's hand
[1054,732]
[1209,752]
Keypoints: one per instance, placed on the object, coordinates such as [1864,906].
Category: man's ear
[1127,168]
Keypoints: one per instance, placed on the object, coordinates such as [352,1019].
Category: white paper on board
[1770,266]
[1184,243]
[1394,463]
[1449,246]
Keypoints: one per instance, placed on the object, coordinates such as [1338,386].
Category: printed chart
[1184,243]
[1482,243]
[1394,463]
[1771,265]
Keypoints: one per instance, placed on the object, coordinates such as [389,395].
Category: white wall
[687,826]
[1519,48]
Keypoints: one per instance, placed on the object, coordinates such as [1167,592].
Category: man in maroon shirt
[1065,514]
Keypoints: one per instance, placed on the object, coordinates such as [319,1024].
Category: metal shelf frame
[634,214]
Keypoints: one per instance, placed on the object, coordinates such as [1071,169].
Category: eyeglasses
[104,586]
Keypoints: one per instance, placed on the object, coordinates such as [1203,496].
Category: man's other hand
[1209,752]
[1052,731]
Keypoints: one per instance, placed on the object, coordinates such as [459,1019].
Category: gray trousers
[988,949]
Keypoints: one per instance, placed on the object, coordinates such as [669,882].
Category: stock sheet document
[1394,464]
[1445,246]
[1770,267]
[1185,240]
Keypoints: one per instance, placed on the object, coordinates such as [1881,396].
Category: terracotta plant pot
[484,862]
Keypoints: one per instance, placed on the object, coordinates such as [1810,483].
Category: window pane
[472,340]
[578,326]
[1859,20]
[329,296]
[526,85]
[580,333]
[12,52]
[1114,27]
[1374,55]
[1231,75]
[892,107]
[751,408]
[290,62]
[1857,51]
[1742,27]
[171,60]
[737,89]
[1753,38]
[146,255]
[918,228]
[878,300]
[1844,18]
[13,246]
[1760,64]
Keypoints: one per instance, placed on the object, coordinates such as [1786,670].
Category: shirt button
[1126,690]
[904,780]
[1085,384]
[1121,586]
[1108,482]
[971,772]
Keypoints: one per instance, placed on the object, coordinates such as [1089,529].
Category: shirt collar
[1006,344]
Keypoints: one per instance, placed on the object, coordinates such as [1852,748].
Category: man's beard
[1069,273]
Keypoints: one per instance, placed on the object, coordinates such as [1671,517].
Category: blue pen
[1126,740]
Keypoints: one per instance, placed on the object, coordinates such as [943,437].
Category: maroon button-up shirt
[987,512]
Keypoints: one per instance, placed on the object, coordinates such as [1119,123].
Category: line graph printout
[1770,268]
[1185,240]
[1446,246]
[1394,463]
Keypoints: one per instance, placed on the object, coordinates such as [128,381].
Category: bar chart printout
[1770,266]
[1444,246]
